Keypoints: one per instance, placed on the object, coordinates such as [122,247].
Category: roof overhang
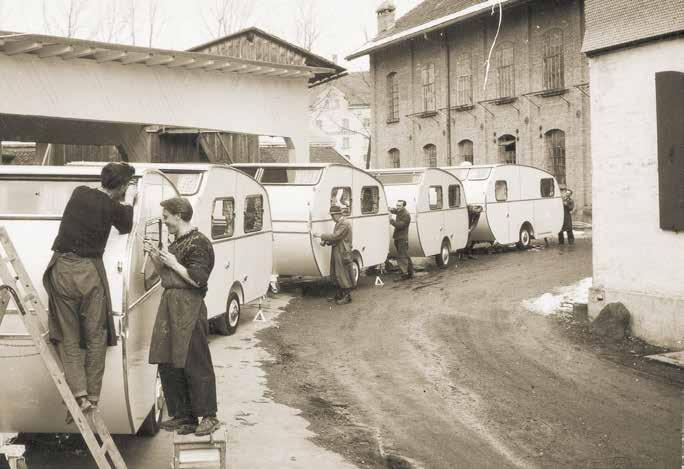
[430,26]
[43,47]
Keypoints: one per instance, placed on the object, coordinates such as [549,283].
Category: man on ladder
[80,309]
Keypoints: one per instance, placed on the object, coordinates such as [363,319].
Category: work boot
[344,300]
[177,422]
[208,426]
[84,404]
[333,299]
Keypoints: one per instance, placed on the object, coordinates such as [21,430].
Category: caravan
[301,196]
[437,204]
[518,203]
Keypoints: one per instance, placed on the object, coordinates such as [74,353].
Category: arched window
[507,149]
[555,154]
[392,98]
[506,70]
[430,152]
[553,60]
[394,158]
[465,149]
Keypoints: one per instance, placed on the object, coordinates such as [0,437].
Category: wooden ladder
[15,282]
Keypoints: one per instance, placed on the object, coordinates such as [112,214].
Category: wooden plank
[21,47]
[672,358]
[54,50]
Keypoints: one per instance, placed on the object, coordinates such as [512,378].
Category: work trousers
[191,391]
[80,309]
[571,237]
[403,258]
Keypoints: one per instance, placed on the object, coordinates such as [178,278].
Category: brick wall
[527,118]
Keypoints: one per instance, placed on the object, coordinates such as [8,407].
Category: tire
[150,427]
[356,272]
[525,238]
[444,255]
[232,313]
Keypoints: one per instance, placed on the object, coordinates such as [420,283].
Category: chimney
[385,14]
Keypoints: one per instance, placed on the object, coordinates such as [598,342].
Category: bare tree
[65,16]
[131,20]
[228,16]
[308,29]
[155,21]
[111,26]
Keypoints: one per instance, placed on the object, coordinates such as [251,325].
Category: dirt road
[450,371]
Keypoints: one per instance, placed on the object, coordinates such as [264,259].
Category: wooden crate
[200,452]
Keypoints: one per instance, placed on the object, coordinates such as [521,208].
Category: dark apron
[53,324]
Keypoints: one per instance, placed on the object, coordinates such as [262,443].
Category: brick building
[432,107]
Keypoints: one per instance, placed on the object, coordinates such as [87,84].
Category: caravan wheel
[233,313]
[150,427]
[444,255]
[356,272]
[525,239]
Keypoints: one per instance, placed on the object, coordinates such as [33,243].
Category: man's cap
[178,206]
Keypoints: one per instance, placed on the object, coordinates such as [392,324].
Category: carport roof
[42,46]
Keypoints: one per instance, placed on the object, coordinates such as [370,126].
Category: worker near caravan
[179,343]
[341,259]
[401,224]
[79,303]
[568,207]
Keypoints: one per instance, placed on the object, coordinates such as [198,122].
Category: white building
[341,110]
[637,141]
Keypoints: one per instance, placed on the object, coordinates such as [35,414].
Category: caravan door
[143,291]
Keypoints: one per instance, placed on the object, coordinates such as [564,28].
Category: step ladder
[15,283]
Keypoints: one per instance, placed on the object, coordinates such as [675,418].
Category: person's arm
[197,263]
[337,235]
[122,217]
[172,263]
[401,222]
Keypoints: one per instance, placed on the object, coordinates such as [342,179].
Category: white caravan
[437,204]
[301,196]
[233,211]
[519,203]
[32,200]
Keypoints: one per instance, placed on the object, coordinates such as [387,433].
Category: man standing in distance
[80,307]
[401,224]
[180,336]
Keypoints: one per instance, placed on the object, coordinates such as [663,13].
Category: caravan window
[454,195]
[370,200]
[462,174]
[342,197]
[389,179]
[479,174]
[254,213]
[186,183]
[223,218]
[39,196]
[547,187]
[501,191]
[435,194]
[303,176]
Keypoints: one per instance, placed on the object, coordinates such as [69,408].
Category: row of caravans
[260,219]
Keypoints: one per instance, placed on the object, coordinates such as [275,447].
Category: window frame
[440,192]
[553,66]
[392,97]
[351,201]
[464,156]
[496,190]
[464,81]
[554,140]
[376,202]
[391,154]
[505,68]
[231,233]
[428,88]
[430,153]
[458,193]
[260,212]
[541,188]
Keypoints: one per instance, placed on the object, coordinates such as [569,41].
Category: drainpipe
[445,37]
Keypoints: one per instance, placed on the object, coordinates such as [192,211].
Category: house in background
[434,104]
[636,57]
[341,110]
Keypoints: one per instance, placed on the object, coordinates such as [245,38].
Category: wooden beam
[78,52]
[21,47]
[160,60]
[54,50]
[135,57]
[200,64]
[181,62]
[109,56]
[219,65]
[249,70]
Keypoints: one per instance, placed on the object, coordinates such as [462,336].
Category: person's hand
[148,247]
[168,259]
[315,235]
[323,243]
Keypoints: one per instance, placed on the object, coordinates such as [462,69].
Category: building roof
[43,46]
[429,15]
[318,154]
[311,59]
[355,87]
[619,23]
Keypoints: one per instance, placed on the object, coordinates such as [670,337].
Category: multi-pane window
[342,197]
[454,195]
[430,153]
[428,80]
[546,187]
[464,87]
[554,78]
[370,200]
[506,71]
[507,149]
[392,97]
[465,149]
[254,213]
[555,154]
[394,158]
[435,197]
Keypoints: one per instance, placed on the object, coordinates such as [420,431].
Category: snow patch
[562,298]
